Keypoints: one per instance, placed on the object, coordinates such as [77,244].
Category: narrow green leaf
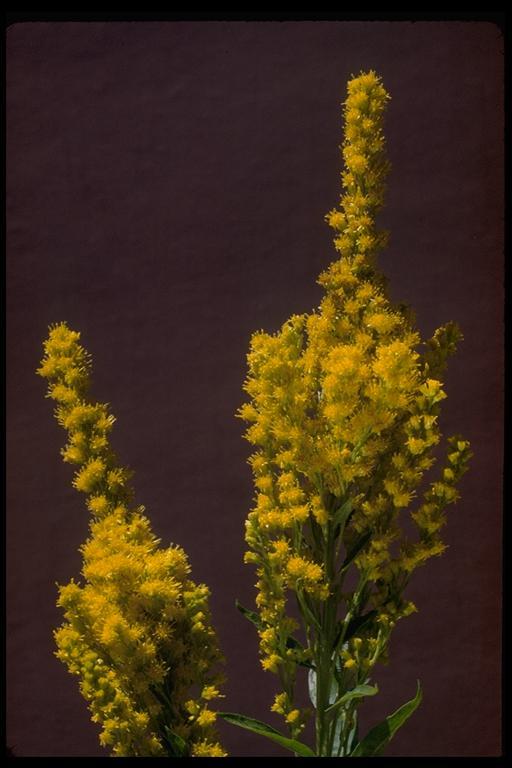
[251,616]
[376,739]
[316,530]
[340,515]
[352,736]
[361,542]
[356,624]
[256,726]
[356,693]
[312,686]
[305,608]
[178,746]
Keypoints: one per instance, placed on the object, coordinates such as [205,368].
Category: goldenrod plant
[137,629]
[343,417]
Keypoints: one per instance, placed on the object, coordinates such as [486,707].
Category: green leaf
[356,693]
[256,726]
[312,686]
[361,542]
[340,515]
[178,746]
[375,740]
[352,736]
[358,623]
[251,616]
[354,626]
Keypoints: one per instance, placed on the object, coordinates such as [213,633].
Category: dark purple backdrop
[167,184]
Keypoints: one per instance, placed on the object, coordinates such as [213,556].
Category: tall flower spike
[343,416]
[137,631]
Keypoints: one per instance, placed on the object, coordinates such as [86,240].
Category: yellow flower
[293,716]
[432,390]
[206,718]
[319,510]
[416,445]
[281,547]
[88,478]
[210,692]
[280,703]
[98,505]
[207,749]
[271,663]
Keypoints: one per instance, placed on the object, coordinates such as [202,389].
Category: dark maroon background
[167,184]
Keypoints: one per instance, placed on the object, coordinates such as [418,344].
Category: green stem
[324,659]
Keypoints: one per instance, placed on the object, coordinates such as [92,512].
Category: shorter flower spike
[137,630]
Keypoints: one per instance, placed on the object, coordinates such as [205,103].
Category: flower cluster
[343,415]
[137,632]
